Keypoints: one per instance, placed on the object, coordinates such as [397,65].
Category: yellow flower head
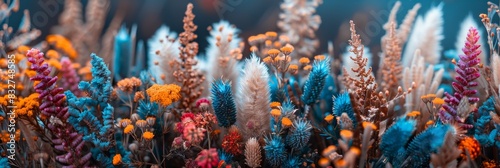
[438,101]
[164,94]
[268,43]
[254,49]
[62,43]
[26,106]
[275,104]
[148,135]
[369,124]
[271,34]
[329,118]
[141,123]
[117,159]
[293,67]
[308,67]
[319,57]
[287,49]
[273,52]
[286,122]
[413,114]
[304,60]
[52,54]
[346,134]
[23,49]
[277,44]
[276,113]
[268,60]
[128,129]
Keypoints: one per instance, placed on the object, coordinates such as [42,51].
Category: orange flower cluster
[26,106]
[471,145]
[128,84]
[164,94]
[60,42]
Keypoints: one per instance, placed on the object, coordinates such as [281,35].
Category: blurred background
[258,16]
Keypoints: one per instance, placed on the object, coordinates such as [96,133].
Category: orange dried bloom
[329,150]
[148,135]
[286,122]
[138,96]
[277,44]
[276,113]
[308,67]
[128,129]
[273,52]
[471,145]
[329,118]
[60,42]
[369,124]
[287,49]
[30,73]
[304,60]
[268,60]
[293,67]
[429,123]
[324,162]
[346,134]
[275,104]
[254,49]
[268,43]
[319,57]
[340,163]
[355,150]
[141,123]
[489,164]
[164,94]
[26,106]
[438,101]
[271,34]
[54,63]
[52,54]
[23,49]
[128,84]
[413,114]
[117,159]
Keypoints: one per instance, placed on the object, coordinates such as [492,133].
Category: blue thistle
[275,151]
[342,104]
[430,140]
[395,139]
[223,103]
[484,119]
[316,81]
[292,162]
[224,156]
[299,135]
[147,108]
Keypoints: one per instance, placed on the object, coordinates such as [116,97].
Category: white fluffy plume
[164,49]
[223,38]
[427,35]
[253,98]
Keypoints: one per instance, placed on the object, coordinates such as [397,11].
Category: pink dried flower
[203,104]
[207,158]
[193,134]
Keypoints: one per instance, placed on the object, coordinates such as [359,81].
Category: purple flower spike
[467,70]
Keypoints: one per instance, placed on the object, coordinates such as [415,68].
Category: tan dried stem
[185,73]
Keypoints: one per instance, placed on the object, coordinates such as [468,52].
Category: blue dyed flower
[316,81]
[299,135]
[342,104]
[395,139]
[223,103]
[420,149]
[275,151]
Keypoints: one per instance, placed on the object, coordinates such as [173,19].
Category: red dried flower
[207,158]
[232,142]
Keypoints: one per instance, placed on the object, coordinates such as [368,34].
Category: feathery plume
[252,153]
[427,36]
[253,99]
[223,41]
[299,23]
[406,27]
[391,68]
[163,51]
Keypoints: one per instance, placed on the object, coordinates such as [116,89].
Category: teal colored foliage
[395,138]
[223,103]
[316,81]
[342,104]
[275,151]
[298,137]
[420,148]
[480,132]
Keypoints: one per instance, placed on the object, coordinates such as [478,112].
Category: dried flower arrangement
[280,107]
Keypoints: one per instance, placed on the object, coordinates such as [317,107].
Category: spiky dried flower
[253,156]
